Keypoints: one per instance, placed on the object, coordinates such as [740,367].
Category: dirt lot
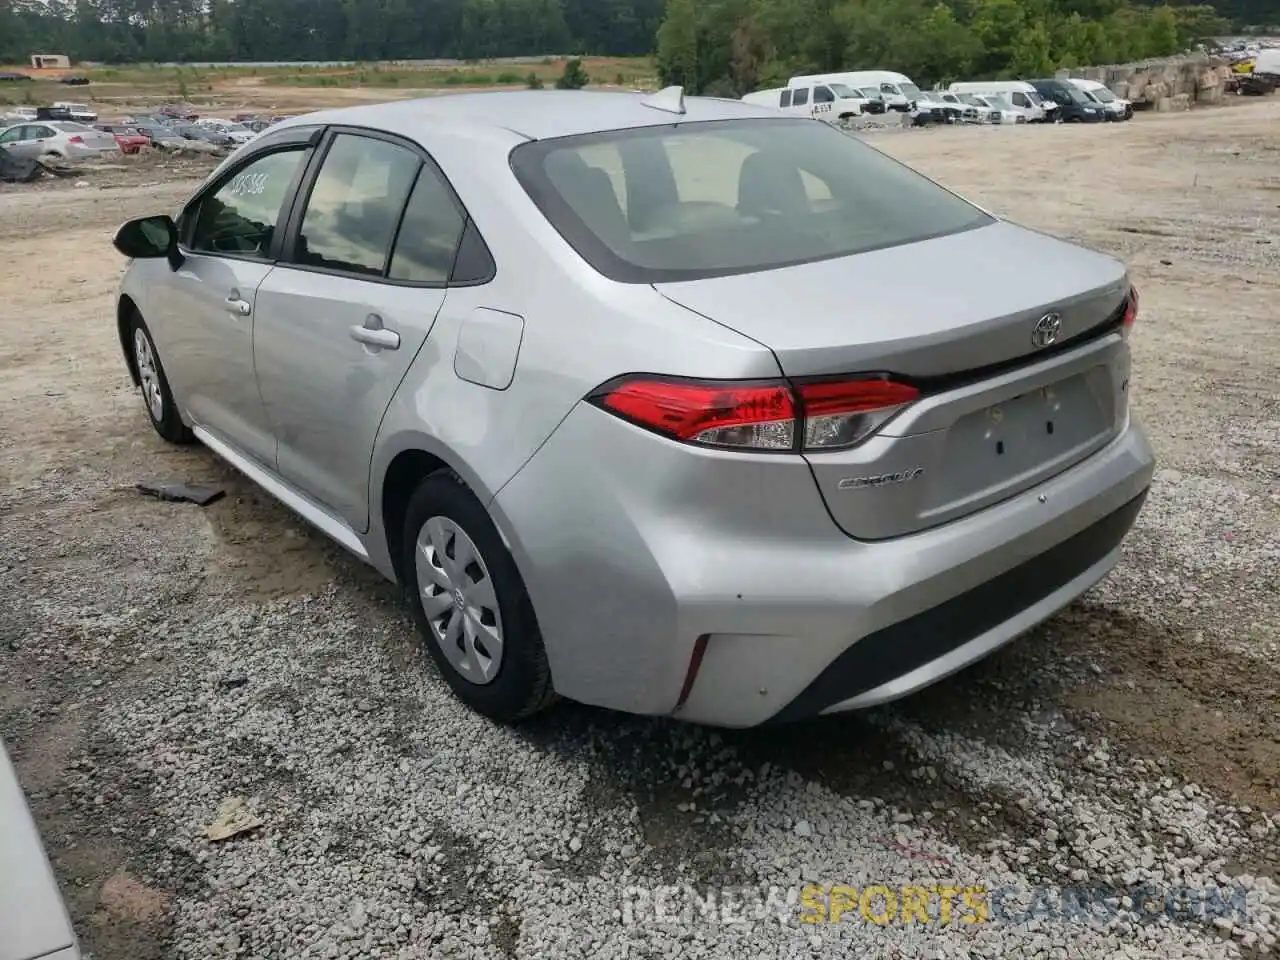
[157,658]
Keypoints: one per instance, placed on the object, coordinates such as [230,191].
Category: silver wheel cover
[459,599]
[149,374]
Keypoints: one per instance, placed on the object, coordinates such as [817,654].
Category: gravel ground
[1107,787]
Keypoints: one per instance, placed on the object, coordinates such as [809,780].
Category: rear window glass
[686,201]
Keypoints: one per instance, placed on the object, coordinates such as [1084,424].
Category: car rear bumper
[715,587]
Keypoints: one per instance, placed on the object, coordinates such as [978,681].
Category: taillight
[75,138]
[762,415]
[753,415]
[841,413]
[1130,309]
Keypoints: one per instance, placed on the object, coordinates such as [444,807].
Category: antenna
[670,100]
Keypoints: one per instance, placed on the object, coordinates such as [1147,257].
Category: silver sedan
[647,401]
[57,138]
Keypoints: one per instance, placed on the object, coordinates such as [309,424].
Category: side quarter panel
[579,330]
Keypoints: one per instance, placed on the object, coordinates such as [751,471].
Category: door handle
[238,306]
[373,334]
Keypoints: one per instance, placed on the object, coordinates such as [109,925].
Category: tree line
[709,45]
[730,47]
[131,31]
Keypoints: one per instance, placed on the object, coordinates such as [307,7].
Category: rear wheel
[470,604]
[156,396]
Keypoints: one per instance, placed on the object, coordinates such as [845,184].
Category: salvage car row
[57,133]
[840,97]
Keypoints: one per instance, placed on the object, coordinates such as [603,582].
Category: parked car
[1115,108]
[585,389]
[79,112]
[33,914]
[130,139]
[875,101]
[896,89]
[159,135]
[74,81]
[928,108]
[236,132]
[57,138]
[1020,93]
[969,113]
[1002,111]
[831,102]
[193,131]
[1073,105]
[178,111]
[986,113]
[19,114]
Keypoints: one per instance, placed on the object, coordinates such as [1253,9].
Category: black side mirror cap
[150,238]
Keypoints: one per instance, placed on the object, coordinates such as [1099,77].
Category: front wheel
[156,395]
[470,604]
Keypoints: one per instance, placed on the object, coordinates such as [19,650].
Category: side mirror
[149,238]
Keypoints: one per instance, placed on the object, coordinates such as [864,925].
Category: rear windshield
[687,201]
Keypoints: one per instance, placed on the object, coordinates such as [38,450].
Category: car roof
[531,114]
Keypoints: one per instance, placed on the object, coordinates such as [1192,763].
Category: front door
[349,306]
[213,300]
[27,141]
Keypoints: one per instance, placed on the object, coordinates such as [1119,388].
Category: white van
[831,102]
[1018,92]
[896,89]
[1114,107]
[1267,63]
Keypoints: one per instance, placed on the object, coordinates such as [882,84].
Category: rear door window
[354,208]
[429,234]
[786,98]
[800,97]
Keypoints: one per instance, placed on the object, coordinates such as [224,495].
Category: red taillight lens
[844,412]
[76,138]
[758,415]
[1130,309]
[753,415]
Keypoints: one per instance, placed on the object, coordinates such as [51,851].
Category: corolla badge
[880,480]
[1045,332]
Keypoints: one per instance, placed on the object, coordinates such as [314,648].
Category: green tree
[751,50]
[678,45]
[574,76]
[1162,32]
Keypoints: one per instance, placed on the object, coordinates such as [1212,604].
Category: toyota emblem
[1045,332]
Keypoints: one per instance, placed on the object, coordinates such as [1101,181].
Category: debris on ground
[196,493]
[234,818]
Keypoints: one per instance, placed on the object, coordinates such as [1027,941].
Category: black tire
[169,424]
[522,685]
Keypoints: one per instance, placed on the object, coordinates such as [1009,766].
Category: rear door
[367,259]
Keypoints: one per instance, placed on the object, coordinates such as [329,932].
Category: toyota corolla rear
[942,458]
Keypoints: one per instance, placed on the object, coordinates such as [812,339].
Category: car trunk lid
[1001,408]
